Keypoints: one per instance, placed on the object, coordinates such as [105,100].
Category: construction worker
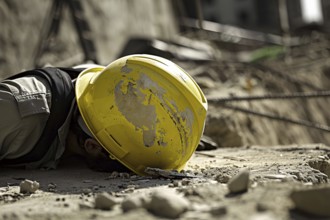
[140,111]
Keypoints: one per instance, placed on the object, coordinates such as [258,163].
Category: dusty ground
[275,172]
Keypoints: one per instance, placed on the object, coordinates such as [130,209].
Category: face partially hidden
[94,149]
[98,158]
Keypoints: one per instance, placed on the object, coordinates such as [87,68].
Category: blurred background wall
[112,22]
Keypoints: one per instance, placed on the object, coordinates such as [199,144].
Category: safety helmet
[144,110]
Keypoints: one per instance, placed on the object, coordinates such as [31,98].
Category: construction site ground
[275,173]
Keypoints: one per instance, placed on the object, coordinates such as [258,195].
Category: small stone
[28,186]
[134,202]
[128,190]
[86,191]
[51,187]
[219,211]
[240,182]
[167,204]
[124,175]
[314,201]
[222,178]
[114,175]
[261,207]
[105,201]
[185,182]
[9,199]
[85,205]
[177,183]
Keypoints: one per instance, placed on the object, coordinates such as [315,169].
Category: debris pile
[261,182]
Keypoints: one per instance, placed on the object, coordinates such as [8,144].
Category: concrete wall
[112,22]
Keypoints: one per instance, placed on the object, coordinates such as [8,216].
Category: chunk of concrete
[28,186]
[240,182]
[105,201]
[314,201]
[133,202]
[167,204]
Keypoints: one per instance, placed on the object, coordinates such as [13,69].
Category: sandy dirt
[274,173]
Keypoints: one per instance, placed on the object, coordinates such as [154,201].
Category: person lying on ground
[140,111]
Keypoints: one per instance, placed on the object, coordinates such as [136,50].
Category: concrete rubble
[284,183]
[167,204]
[314,201]
[240,182]
[105,201]
[28,186]
[134,202]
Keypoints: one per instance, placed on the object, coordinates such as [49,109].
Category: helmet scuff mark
[129,100]
[125,69]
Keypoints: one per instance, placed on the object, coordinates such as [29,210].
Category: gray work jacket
[24,109]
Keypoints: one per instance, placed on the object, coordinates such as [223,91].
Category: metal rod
[280,118]
[316,94]
[199,13]
[83,30]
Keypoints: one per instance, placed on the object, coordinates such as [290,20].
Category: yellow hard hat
[144,110]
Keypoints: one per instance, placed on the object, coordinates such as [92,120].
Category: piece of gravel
[219,211]
[28,186]
[105,201]
[313,201]
[167,204]
[133,202]
[240,182]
